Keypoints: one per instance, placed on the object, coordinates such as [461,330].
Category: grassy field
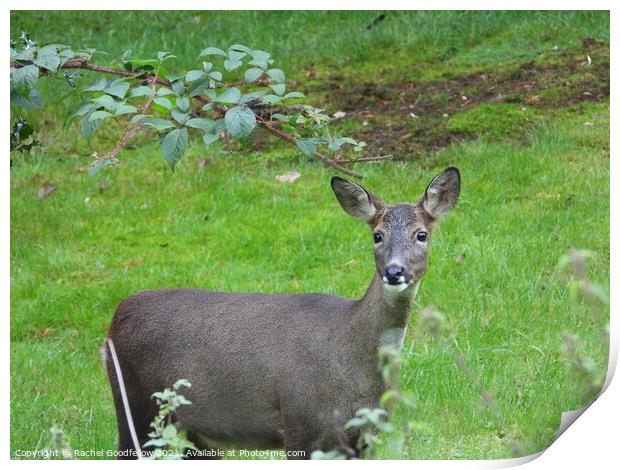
[507,97]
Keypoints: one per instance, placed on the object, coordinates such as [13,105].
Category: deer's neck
[381,317]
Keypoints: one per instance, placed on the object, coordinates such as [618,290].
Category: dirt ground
[413,118]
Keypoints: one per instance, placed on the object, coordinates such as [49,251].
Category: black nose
[393,273]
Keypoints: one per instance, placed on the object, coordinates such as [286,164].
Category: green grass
[231,226]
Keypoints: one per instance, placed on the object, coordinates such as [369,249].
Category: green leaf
[259,63]
[254,96]
[164,55]
[293,94]
[271,99]
[66,54]
[218,126]
[253,74]
[173,146]
[107,102]
[26,54]
[145,64]
[89,127]
[193,75]
[179,116]
[125,109]
[207,107]
[24,78]
[198,86]
[157,123]
[231,65]
[240,47]
[99,115]
[210,138]
[33,99]
[140,91]
[165,102]
[48,58]
[230,95]
[117,88]
[280,88]
[276,74]
[164,91]
[200,123]
[136,117]
[207,66]
[216,76]
[85,108]
[281,117]
[178,87]
[99,85]
[240,121]
[212,51]
[236,56]
[183,103]
[307,146]
[169,432]
[159,442]
[260,55]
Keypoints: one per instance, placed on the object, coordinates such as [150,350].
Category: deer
[271,371]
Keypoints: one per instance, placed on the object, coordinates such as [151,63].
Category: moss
[494,120]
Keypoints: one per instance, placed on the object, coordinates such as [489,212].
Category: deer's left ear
[442,193]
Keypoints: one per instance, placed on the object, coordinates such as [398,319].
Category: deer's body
[268,370]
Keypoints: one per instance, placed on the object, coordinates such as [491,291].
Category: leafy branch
[231,99]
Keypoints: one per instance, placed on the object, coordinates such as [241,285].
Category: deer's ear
[442,193]
[354,199]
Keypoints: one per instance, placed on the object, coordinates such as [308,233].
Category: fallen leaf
[339,114]
[46,189]
[102,187]
[290,177]
[204,163]
[459,258]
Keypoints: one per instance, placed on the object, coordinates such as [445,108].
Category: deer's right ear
[354,199]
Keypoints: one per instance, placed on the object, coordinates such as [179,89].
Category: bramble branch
[231,112]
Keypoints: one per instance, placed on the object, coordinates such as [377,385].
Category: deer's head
[401,232]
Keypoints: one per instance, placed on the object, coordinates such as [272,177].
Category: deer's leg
[142,411]
[303,435]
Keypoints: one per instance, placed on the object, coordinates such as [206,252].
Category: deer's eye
[421,236]
[378,237]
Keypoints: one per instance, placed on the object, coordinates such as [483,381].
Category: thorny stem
[364,159]
[279,133]
[130,131]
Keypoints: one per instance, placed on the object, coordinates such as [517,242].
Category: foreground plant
[379,433]
[169,442]
[230,94]
[586,372]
